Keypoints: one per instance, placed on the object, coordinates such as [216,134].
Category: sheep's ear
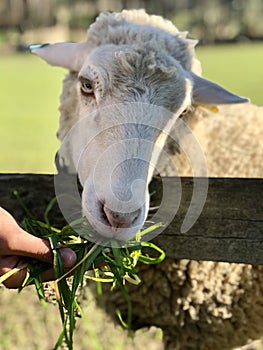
[206,92]
[67,55]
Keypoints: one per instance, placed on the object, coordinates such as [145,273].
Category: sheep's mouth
[103,216]
[98,218]
[119,223]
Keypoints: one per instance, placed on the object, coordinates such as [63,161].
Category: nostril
[120,220]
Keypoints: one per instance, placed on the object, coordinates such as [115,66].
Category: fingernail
[68,256]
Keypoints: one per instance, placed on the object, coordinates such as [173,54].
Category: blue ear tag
[37,46]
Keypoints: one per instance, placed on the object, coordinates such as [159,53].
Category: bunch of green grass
[117,265]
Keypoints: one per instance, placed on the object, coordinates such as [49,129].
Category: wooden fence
[230,227]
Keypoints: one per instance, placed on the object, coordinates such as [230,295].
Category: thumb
[16,241]
[33,247]
[40,249]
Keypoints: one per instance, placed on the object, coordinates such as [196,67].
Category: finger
[68,259]
[15,281]
[40,249]
[7,264]
[32,247]
[15,241]
[68,256]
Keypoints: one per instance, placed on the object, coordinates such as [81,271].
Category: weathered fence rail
[230,227]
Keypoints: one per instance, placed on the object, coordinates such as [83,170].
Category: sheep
[135,78]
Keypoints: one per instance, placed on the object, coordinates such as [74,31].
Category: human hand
[17,245]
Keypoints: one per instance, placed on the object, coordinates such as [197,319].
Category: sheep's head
[128,98]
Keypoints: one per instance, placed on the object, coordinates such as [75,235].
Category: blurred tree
[211,20]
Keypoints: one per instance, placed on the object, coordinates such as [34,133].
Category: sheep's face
[122,107]
[126,108]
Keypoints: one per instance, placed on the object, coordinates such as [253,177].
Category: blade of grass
[148,260]
[12,272]
[27,212]
[48,209]
[120,259]
[150,229]
[96,249]
[127,324]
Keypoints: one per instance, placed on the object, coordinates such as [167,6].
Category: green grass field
[236,67]
[29,118]
[30,92]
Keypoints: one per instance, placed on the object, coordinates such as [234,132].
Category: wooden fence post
[230,227]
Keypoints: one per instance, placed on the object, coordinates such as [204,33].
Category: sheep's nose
[120,220]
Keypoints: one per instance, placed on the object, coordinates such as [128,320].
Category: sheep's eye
[86,87]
